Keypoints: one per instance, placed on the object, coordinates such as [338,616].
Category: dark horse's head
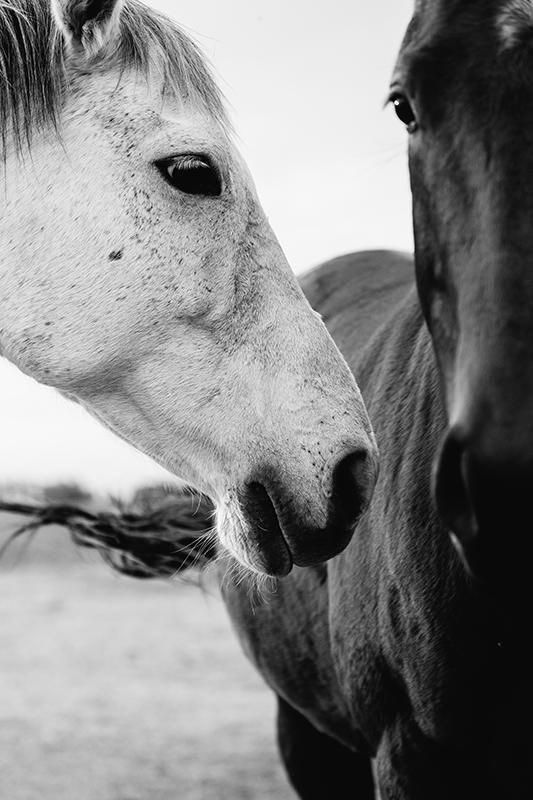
[463,86]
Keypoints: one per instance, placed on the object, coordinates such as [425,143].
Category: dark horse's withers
[410,648]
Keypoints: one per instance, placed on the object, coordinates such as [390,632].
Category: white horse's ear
[88,26]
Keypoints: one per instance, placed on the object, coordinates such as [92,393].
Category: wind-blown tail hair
[153,544]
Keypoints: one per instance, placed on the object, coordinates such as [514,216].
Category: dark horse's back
[356,293]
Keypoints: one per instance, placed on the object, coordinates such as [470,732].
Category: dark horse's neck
[399,380]
[455,652]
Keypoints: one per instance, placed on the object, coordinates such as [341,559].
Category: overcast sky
[306,83]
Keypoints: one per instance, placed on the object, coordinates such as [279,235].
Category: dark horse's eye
[192,174]
[404,112]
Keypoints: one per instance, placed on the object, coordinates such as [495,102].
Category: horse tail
[158,543]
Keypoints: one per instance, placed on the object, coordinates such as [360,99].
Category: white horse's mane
[33,75]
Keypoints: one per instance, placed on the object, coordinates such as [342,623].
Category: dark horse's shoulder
[357,292]
[369,304]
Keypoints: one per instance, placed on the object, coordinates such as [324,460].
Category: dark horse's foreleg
[318,766]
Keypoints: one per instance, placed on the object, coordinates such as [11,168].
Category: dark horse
[409,650]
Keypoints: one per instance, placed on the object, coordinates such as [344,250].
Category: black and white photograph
[266,399]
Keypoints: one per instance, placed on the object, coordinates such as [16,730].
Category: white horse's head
[140,276]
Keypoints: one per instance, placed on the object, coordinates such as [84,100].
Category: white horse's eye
[192,175]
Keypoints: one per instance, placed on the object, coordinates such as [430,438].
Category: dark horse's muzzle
[487,504]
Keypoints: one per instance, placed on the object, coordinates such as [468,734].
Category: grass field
[115,689]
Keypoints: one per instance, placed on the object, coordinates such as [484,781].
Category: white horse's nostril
[258,502]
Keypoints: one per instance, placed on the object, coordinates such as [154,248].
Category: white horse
[140,276]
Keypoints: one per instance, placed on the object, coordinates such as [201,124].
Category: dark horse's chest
[286,636]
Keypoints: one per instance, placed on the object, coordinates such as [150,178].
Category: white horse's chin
[264,552]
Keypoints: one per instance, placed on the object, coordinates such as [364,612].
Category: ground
[116,689]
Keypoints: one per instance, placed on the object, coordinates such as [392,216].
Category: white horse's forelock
[515,18]
[33,63]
